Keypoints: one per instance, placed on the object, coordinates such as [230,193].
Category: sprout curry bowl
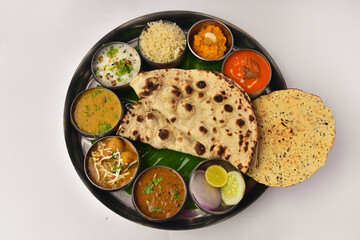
[159,194]
[111,163]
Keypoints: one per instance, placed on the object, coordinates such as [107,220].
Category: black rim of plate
[128,32]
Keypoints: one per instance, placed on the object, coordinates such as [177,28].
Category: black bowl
[96,136]
[94,60]
[86,159]
[176,62]
[222,209]
[204,23]
[155,219]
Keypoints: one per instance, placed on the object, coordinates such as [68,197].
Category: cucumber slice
[234,189]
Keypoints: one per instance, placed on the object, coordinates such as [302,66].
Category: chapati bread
[144,124]
[296,132]
[207,107]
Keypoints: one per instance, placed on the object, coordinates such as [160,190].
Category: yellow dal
[96,111]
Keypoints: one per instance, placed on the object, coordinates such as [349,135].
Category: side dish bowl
[222,208]
[111,163]
[159,194]
[96,112]
[115,64]
[198,26]
[168,64]
[250,69]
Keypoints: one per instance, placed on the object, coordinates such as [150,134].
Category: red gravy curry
[159,192]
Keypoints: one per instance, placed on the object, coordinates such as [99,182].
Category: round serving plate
[120,201]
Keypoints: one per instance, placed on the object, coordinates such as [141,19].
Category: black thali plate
[120,202]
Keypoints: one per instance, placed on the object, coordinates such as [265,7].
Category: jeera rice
[162,41]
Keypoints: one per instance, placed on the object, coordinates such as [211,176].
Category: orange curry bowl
[250,69]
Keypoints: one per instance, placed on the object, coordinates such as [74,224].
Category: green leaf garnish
[112,52]
[104,128]
[123,67]
[114,168]
[156,210]
[96,93]
[176,194]
[157,181]
[150,188]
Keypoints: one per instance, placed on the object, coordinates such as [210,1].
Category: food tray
[120,201]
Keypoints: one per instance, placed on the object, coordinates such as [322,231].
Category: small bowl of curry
[96,112]
[159,193]
[210,40]
[111,163]
[250,69]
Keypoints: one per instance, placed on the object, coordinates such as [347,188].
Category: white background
[316,45]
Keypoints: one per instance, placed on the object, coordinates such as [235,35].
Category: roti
[296,133]
[205,106]
[147,125]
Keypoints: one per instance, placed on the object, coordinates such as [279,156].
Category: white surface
[315,44]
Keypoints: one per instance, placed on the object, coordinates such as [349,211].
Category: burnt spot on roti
[221,150]
[251,118]
[240,167]
[163,134]
[218,98]
[147,138]
[240,122]
[212,147]
[223,92]
[201,94]
[241,140]
[203,129]
[228,108]
[214,118]
[214,130]
[150,116]
[180,139]
[188,107]
[127,121]
[173,119]
[150,86]
[201,84]
[248,132]
[246,146]
[227,157]
[176,92]
[176,79]
[140,118]
[135,133]
[221,121]
[188,89]
[167,120]
[199,148]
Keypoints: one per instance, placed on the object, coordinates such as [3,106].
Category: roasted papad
[147,125]
[205,106]
[296,133]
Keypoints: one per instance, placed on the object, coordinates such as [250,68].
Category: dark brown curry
[159,192]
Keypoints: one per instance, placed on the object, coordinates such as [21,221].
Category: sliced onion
[208,196]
